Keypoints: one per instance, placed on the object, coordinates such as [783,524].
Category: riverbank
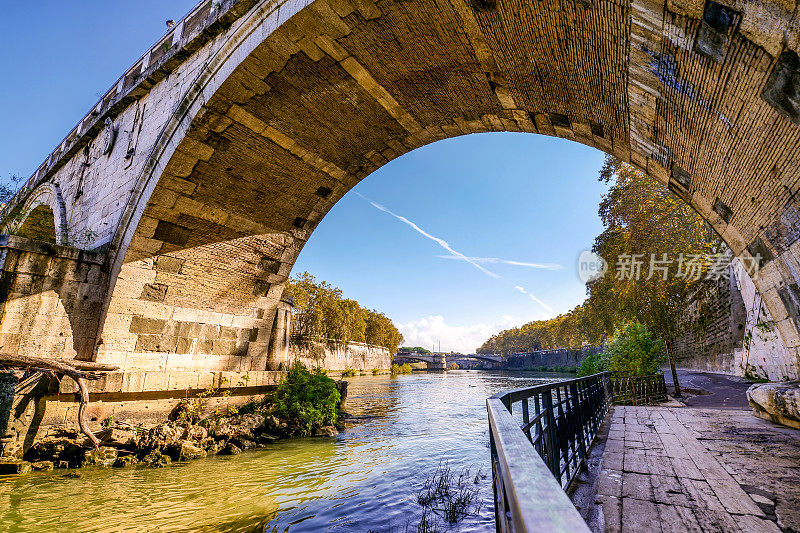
[304,403]
[368,477]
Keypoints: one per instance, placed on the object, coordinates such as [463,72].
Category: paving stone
[640,515]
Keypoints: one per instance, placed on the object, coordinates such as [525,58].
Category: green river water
[365,480]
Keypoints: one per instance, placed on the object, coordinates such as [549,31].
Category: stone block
[154,292]
[142,325]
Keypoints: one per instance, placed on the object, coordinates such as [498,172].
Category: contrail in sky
[534,298]
[454,254]
[441,242]
[497,260]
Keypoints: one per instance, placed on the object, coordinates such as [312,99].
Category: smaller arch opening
[39,225]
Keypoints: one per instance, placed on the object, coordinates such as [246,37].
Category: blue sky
[493,198]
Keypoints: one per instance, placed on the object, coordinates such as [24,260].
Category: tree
[322,313]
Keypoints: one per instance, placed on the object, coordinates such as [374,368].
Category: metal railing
[536,456]
[638,390]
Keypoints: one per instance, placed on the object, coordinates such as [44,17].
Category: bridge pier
[438,363]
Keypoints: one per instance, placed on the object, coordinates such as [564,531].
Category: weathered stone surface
[118,437]
[230,449]
[42,465]
[326,431]
[721,481]
[189,451]
[779,402]
[125,460]
[156,460]
[10,467]
[102,456]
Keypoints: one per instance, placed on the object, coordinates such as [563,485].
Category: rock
[61,450]
[13,467]
[72,475]
[779,402]
[13,450]
[42,465]
[326,431]
[209,445]
[265,439]
[125,460]
[102,456]
[156,459]
[229,449]
[118,437]
[189,451]
[162,435]
[195,433]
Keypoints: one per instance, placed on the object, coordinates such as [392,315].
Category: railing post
[552,448]
[578,406]
[526,417]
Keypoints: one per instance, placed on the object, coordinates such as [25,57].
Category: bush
[348,373]
[593,364]
[405,368]
[306,400]
[635,351]
[375,371]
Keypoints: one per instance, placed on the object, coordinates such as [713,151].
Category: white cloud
[430,330]
[497,260]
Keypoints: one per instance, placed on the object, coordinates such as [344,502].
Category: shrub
[375,371]
[593,364]
[306,400]
[635,351]
[348,373]
[405,368]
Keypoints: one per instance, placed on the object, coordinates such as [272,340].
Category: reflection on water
[367,479]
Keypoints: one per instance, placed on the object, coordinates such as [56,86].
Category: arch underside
[344,86]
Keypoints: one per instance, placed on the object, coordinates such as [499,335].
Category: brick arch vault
[202,172]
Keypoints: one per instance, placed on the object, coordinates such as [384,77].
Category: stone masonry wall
[354,355]
[50,299]
[727,328]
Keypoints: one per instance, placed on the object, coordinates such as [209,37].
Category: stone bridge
[159,233]
[438,361]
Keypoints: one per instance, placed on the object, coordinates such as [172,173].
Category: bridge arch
[291,104]
[42,217]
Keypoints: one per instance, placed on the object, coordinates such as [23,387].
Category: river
[365,480]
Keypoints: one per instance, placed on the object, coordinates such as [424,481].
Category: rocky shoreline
[125,445]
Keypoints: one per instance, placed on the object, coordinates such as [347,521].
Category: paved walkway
[686,469]
[721,391]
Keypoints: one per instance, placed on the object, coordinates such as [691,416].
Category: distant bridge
[438,361]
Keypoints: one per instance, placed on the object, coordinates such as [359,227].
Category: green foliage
[306,400]
[321,312]
[375,371]
[418,349]
[349,373]
[593,364]
[634,350]
[405,368]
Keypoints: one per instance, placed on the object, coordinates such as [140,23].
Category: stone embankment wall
[727,328]
[548,358]
[334,356]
